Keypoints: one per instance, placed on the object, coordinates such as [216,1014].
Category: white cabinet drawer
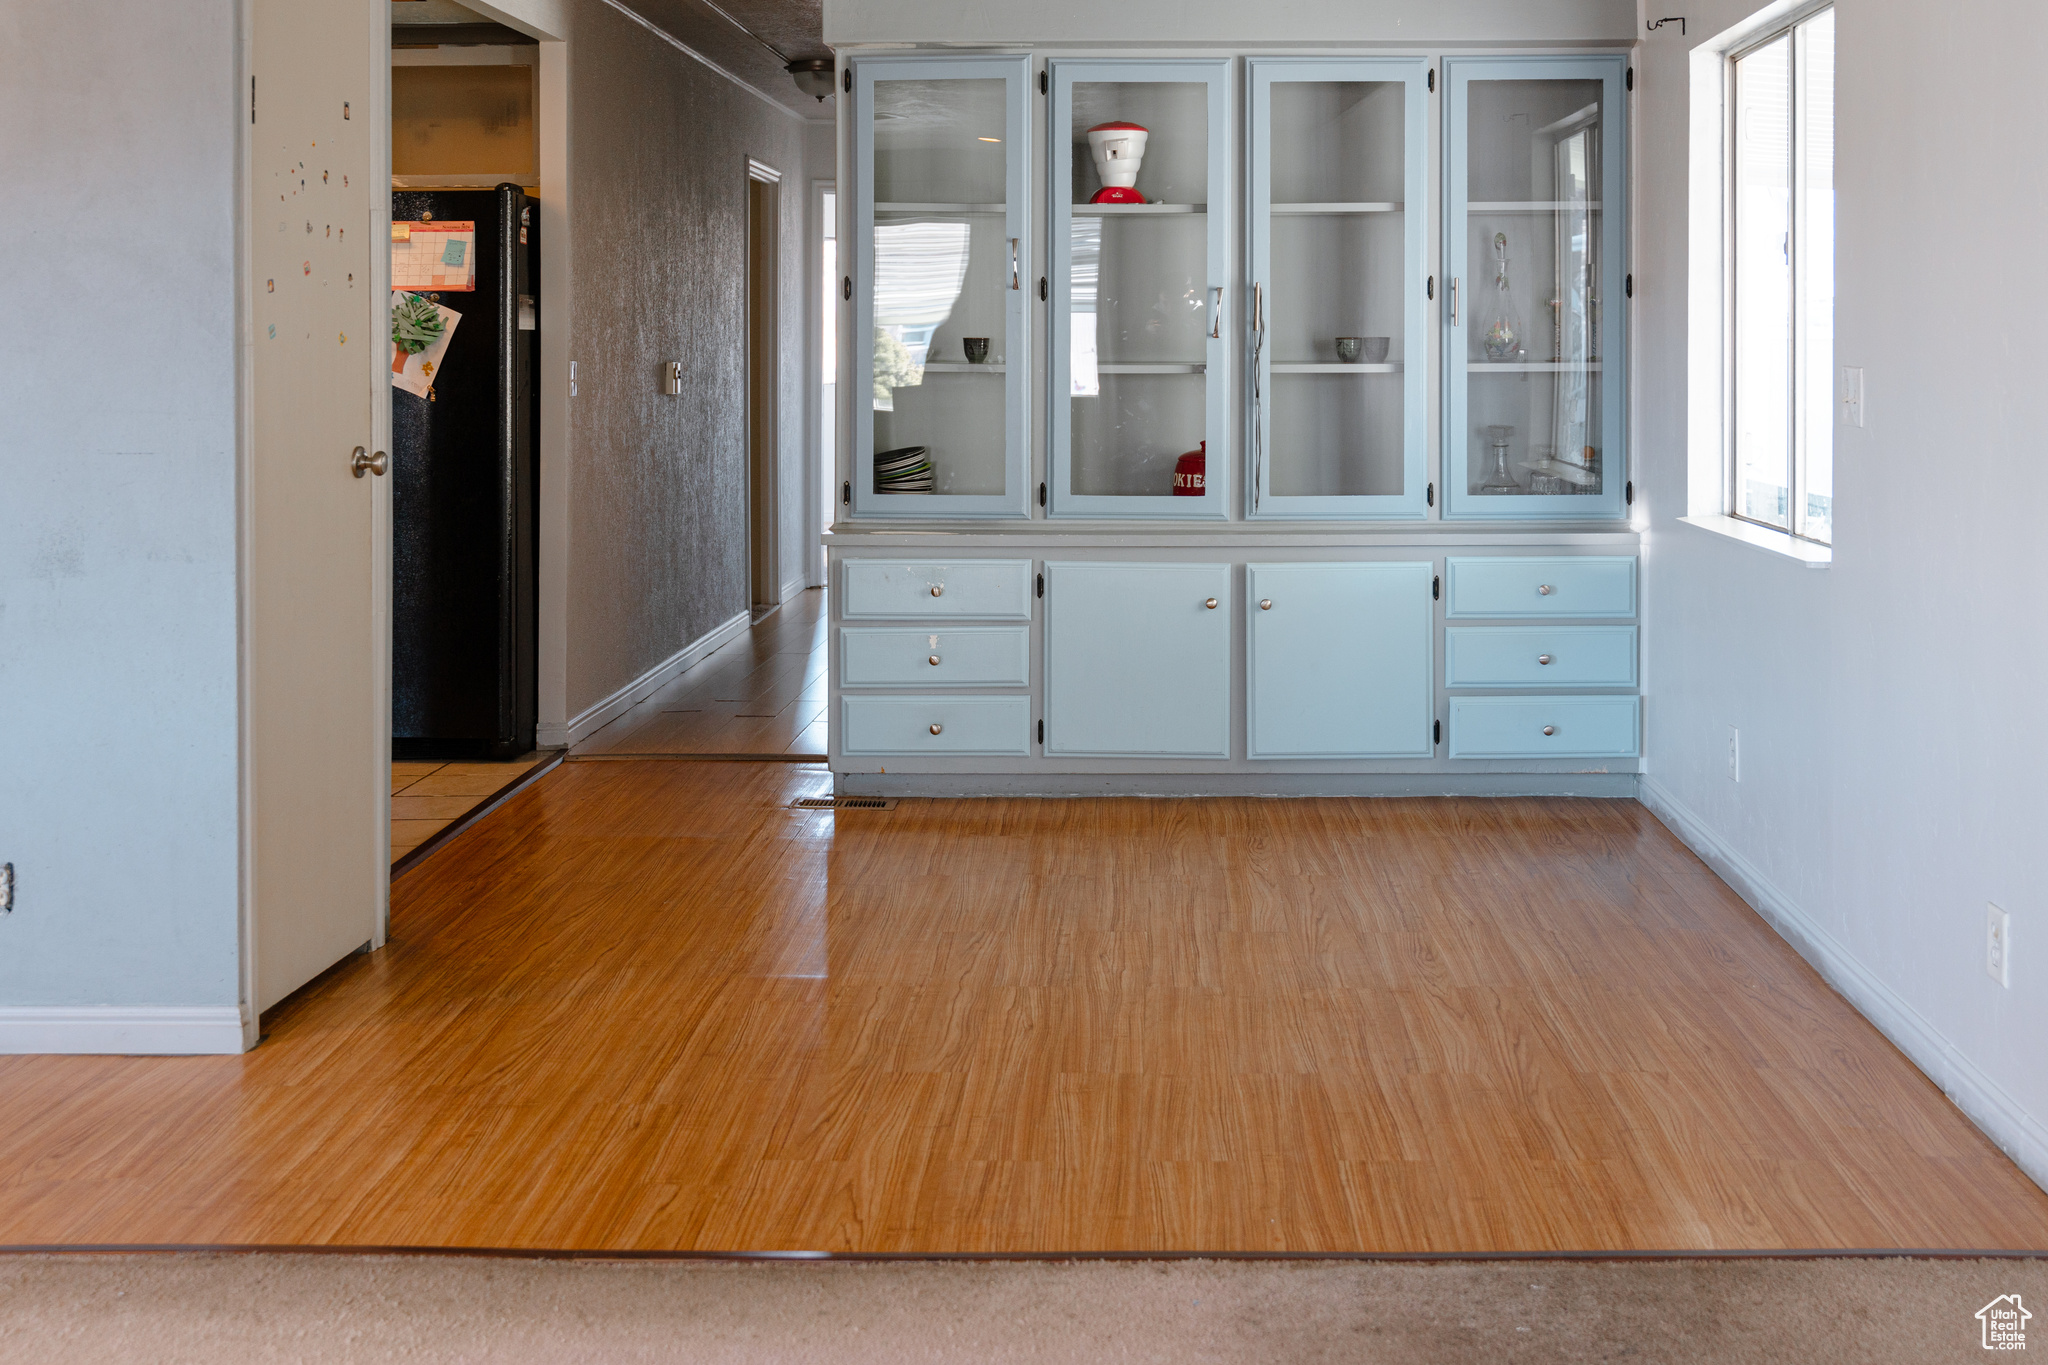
[877,589]
[888,727]
[1540,656]
[1557,585]
[1544,727]
[984,656]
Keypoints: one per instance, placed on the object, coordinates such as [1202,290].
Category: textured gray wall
[657,488]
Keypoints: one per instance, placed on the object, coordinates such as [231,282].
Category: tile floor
[761,696]
[428,796]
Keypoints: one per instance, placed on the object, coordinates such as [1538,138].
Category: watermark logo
[2005,1323]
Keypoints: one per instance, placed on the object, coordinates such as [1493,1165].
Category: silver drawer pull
[937,728]
[938,591]
[1265,604]
[1542,589]
[1210,604]
[1548,729]
[934,661]
[1540,658]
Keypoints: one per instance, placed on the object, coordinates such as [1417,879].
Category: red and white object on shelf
[1189,473]
[1118,149]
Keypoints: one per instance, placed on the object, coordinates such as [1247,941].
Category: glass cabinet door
[1140,411]
[1535,315]
[941,157]
[1339,390]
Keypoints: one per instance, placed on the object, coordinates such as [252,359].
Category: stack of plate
[904,470]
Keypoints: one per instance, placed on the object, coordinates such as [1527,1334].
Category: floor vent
[843,803]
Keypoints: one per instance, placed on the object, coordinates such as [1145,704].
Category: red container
[1188,472]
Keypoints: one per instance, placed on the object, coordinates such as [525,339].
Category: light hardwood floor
[762,695]
[428,795]
[647,1005]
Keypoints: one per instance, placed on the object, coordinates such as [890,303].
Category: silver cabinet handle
[1013,264]
[1548,729]
[1216,313]
[938,591]
[1544,590]
[1454,300]
[934,661]
[360,463]
[937,728]
[1542,658]
[1265,604]
[1258,307]
[1210,604]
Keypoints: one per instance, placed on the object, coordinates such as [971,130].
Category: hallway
[647,1005]
[761,696]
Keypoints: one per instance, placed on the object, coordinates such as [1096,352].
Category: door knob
[1542,658]
[1210,604]
[360,464]
[937,728]
[1544,589]
[1265,604]
[1548,730]
[933,661]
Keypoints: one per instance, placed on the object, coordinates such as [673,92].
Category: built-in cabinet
[942,240]
[1535,258]
[1250,415]
[1339,209]
[1138,368]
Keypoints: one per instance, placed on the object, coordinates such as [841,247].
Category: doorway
[764,562]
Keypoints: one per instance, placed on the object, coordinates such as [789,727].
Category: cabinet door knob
[1265,604]
[1210,604]
[937,728]
[1548,729]
[938,591]
[934,661]
[1540,658]
[1542,589]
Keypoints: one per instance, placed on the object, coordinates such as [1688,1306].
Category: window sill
[1764,538]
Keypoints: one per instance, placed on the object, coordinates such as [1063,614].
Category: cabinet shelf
[1135,210]
[941,208]
[1529,205]
[959,367]
[1154,368]
[1279,210]
[1336,367]
[1532,367]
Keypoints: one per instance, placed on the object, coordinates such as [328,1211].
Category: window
[1782,229]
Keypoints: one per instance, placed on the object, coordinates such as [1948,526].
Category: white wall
[118,694]
[1894,731]
[1274,22]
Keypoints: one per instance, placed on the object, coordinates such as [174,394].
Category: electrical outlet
[1734,754]
[1852,395]
[1998,945]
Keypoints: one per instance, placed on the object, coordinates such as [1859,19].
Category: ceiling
[753,39]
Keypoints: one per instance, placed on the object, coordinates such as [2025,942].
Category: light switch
[1852,395]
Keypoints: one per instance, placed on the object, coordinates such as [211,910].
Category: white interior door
[316,587]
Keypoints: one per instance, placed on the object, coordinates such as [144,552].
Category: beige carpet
[229,1309]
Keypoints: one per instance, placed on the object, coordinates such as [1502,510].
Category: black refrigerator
[465,483]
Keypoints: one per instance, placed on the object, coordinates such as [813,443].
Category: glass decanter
[1500,480]
[1500,328]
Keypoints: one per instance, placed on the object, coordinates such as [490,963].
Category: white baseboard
[132,1030]
[792,587]
[582,726]
[1983,1101]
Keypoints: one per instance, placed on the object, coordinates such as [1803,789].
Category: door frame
[763,399]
